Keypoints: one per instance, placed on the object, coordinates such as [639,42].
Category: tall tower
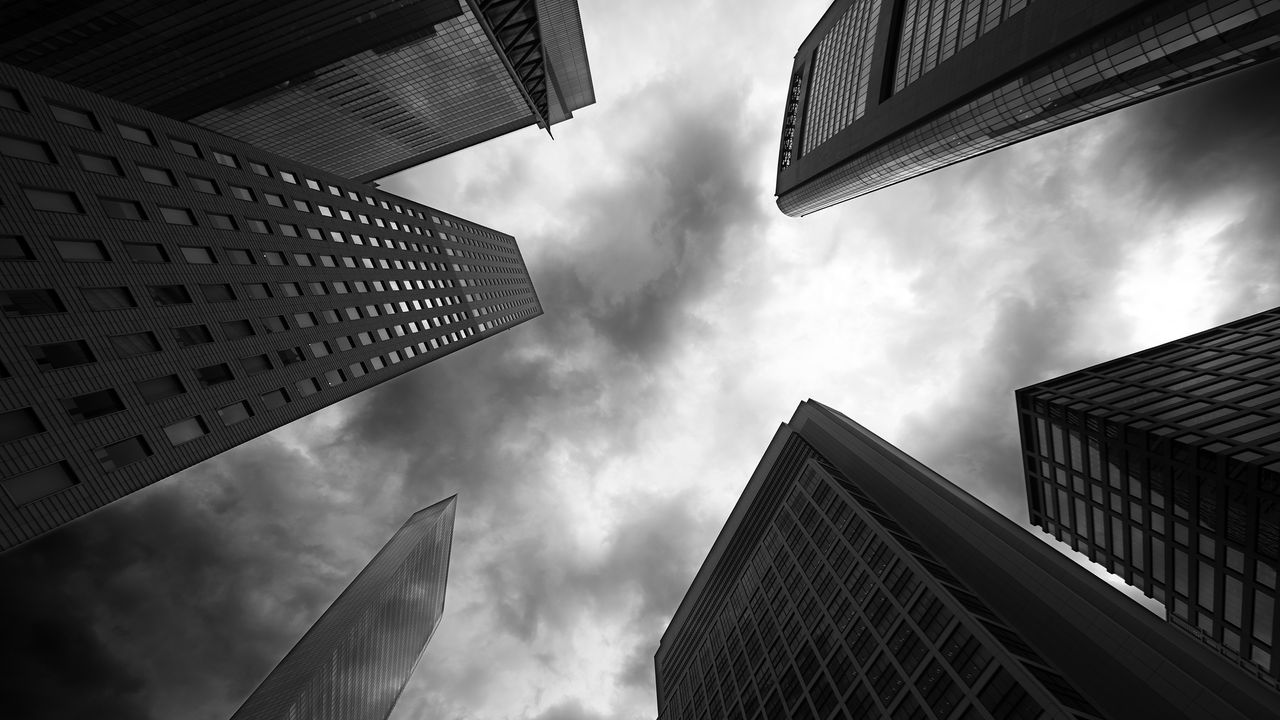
[169,293]
[885,90]
[850,581]
[355,661]
[360,89]
[1164,467]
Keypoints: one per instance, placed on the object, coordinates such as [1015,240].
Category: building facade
[885,90]
[169,293]
[359,89]
[356,659]
[1164,467]
[850,581]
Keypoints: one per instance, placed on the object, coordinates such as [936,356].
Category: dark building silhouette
[1164,467]
[360,89]
[885,90]
[169,293]
[355,661]
[850,581]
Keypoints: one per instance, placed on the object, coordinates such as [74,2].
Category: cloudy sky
[597,450]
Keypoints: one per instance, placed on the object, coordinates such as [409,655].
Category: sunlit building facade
[169,293]
[356,659]
[1164,467]
[850,581]
[360,89]
[885,90]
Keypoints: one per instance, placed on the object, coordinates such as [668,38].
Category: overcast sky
[597,450]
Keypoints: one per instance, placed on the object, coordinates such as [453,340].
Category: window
[275,399]
[225,159]
[53,200]
[290,289]
[317,288]
[273,258]
[302,259]
[307,387]
[197,255]
[274,324]
[61,354]
[335,191]
[182,147]
[240,192]
[142,343]
[176,216]
[315,233]
[302,206]
[204,185]
[126,452]
[319,349]
[132,133]
[328,261]
[334,377]
[258,226]
[41,482]
[121,209]
[81,250]
[13,247]
[17,424]
[274,200]
[259,169]
[185,431]
[156,176]
[357,369]
[192,335]
[21,303]
[288,230]
[165,295]
[313,184]
[304,320]
[101,164]
[290,356]
[236,329]
[26,149]
[257,291]
[325,210]
[11,100]
[255,364]
[73,116]
[289,177]
[240,257]
[146,253]
[108,298]
[234,413]
[92,405]
[160,388]
[217,293]
[214,374]
[221,222]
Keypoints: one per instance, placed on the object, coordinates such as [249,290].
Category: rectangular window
[302,259]
[53,200]
[255,364]
[192,335]
[214,375]
[185,431]
[156,176]
[257,291]
[315,233]
[334,377]
[357,369]
[217,293]
[302,206]
[236,329]
[288,230]
[313,184]
[73,116]
[273,258]
[11,100]
[234,413]
[21,303]
[126,452]
[146,253]
[204,185]
[41,482]
[318,288]
[274,200]
[225,159]
[258,226]
[290,289]
[274,324]
[160,388]
[25,149]
[165,295]
[319,349]
[61,354]
[240,192]
[101,164]
[307,387]
[121,209]
[198,255]
[290,356]
[289,177]
[133,133]
[304,320]
[275,399]
[182,147]
[142,343]
[13,247]
[17,424]
[177,216]
[259,169]
[221,222]
[92,405]
[240,257]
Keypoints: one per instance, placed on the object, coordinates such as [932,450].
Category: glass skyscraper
[1164,467]
[360,89]
[355,661]
[850,582]
[885,90]
[169,293]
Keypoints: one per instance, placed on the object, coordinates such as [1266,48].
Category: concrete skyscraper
[355,661]
[851,582]
[169,293]
[358,88]
[1164,467]
[884,90]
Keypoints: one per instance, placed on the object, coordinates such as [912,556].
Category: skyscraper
[360,89]
[850,581]
[885,90]
[355,661]
[1164,467]
[169,293]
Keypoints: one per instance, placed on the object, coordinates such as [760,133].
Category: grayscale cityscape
[833,359]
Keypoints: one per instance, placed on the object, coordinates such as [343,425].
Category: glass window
[11,100]
[92,405]
[156,176]
[234,413]
[239,256]
[259,169]
[319,349]
[26,149]
[302,206]
[274,200]
[290,356]
[334,377]
[17,424]
[273,258]
[203,185]
[302,259]
[198,255]
[13,247]
[315,233]
[108,298]
[240,192]
[274,324]
[73,116]
[146,253]
[289,177]
[192,335]
[41,482]
[291,289]
[126,452]
[255,364]
[226,159]
[182,147]
[258,226]
[221,222]
[288,230]
[307,387]
[164,295]
[257,291]
[141,343]
[275,399]
[101,164]
[61,354]
[177,216]
[304,320]
[160,388]
[313,184]
[21,303]
[185,431]
[217,293]
[1264,612]
[236,329]
[53,200]
[121,209]
[214,374]
[133,133]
